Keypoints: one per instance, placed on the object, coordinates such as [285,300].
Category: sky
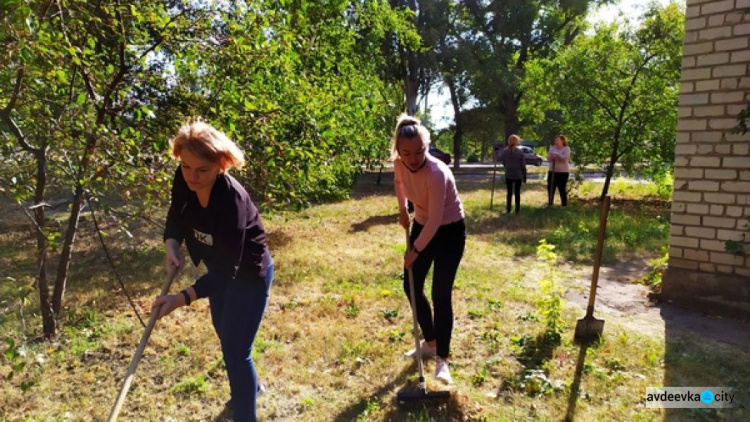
[441,115]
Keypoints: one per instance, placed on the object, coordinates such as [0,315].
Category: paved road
[482,170]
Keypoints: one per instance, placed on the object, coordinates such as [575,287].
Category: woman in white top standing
[438,234]
[559,170]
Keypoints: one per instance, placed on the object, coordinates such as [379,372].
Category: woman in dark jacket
[514,163]
[213,214]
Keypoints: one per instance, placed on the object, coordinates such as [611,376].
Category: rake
[139,351]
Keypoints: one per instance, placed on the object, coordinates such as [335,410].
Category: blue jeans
[237,308]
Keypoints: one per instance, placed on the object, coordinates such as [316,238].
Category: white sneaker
[425,349]
[442,372]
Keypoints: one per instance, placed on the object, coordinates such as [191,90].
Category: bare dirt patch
[619,299]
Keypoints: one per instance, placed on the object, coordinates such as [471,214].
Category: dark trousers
[513,187]
[237,308]
[446,250]
[557,181]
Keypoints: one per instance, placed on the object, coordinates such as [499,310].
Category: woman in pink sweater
[559,170]
[438,234]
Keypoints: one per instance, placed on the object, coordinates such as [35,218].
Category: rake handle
[415,328]
[551,190]
[139,351]
[598,254]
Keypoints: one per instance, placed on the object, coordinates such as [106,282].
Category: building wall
[711,202]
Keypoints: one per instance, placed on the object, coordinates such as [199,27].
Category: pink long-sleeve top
[432,190]
[561,162]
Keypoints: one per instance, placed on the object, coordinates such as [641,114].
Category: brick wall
[711,200]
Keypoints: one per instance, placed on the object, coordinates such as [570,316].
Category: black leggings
[446,249]
[557,181]
[513,187]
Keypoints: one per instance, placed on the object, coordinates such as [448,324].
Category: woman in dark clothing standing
[515,170]
[221,226]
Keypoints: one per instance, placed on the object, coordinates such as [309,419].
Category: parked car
[530,156]
[440,155]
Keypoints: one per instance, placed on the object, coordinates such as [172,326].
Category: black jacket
[228,235]
[513,162]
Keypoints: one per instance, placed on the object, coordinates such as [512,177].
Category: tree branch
[31,218]
[633,79]
[601,104]
[86,78]
[47,9]
[16,91]
[536,46]
[162,38]
[5,114]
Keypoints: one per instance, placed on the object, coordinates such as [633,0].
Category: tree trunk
[607,179]
[611,167]
[72,228]
[49,326]
[512,125]
[411,83]
[67,250]
[458,133]
[411,62]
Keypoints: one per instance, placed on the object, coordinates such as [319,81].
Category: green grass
[331,346]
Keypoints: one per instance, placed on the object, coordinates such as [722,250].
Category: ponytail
[408,127]
[513,141]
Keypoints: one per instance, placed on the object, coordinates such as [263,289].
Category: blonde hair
[513,141]
[563,139]
[205,141]
[408,127]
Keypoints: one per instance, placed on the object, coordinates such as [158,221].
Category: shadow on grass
[449,411]
[381,395]
[376,220]
[277,239]
[532,353]
[224,416]
[633,226]
[575,386]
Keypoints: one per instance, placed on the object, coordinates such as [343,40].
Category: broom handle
[598,254]
[139,351]
[413,297]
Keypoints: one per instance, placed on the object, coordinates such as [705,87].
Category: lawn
[331,346]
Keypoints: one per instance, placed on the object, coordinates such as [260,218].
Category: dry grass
[330,348]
